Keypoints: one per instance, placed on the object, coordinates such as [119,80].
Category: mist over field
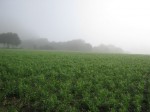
[74,56]
[86,25]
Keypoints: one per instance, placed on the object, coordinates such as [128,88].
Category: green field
[43,81]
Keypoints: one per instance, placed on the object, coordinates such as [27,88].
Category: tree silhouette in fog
[9,39]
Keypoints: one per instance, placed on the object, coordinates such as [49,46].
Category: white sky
[124,23]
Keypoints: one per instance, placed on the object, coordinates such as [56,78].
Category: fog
[123,23]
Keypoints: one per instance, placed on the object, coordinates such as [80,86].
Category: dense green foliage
[67,81]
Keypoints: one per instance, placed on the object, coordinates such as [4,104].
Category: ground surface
[69,81]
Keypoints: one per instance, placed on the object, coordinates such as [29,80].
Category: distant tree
[9,39]
[73,45]
[2,39]
[15,40]
[107,49]
[76,45]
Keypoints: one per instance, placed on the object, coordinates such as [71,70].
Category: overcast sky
[124,23]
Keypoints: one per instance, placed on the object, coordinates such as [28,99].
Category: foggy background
[123,23]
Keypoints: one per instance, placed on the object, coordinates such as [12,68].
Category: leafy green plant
[69,81]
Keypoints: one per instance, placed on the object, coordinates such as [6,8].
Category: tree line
[72,45]
[9,39]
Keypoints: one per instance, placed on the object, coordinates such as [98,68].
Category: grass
[72,81]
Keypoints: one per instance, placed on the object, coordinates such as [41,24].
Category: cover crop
[70,81]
